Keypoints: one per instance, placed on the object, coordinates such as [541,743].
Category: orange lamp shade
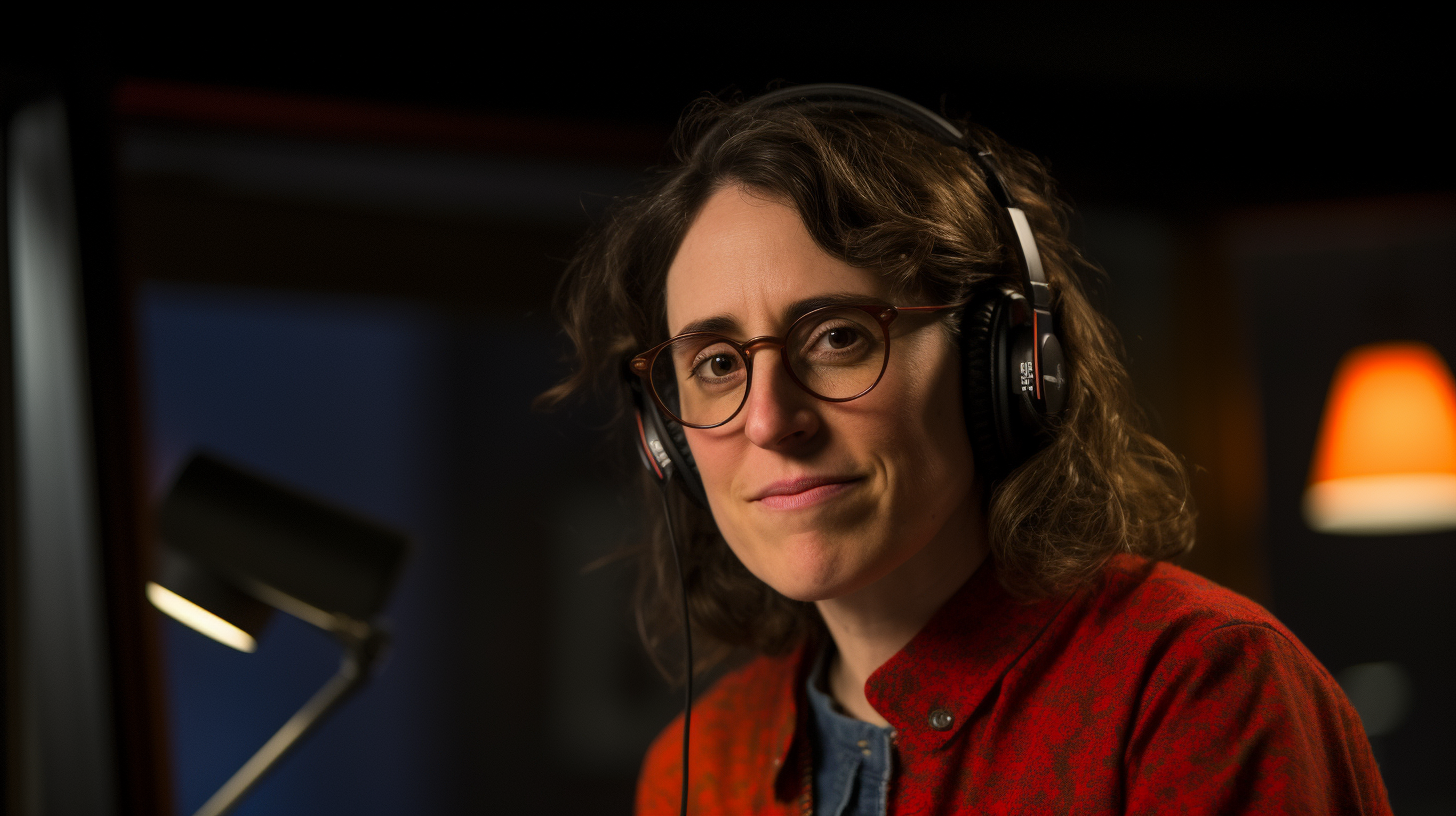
[1386,457]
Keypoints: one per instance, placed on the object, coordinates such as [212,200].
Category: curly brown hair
[882,195]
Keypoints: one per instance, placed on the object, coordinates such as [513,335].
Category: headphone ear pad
[682,458]
[986,328]
[665,443]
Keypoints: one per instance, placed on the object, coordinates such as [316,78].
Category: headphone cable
[682,583]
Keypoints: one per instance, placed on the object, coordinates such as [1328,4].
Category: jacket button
[941,720]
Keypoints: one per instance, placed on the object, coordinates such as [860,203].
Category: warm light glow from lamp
[1386,456]
[200,619]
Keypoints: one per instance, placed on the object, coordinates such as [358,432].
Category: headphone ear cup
[664,447]
[685,466]
[1001,421]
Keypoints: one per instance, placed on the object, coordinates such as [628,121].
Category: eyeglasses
[835,353]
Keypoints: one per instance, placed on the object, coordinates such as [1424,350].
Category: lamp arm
[359,655]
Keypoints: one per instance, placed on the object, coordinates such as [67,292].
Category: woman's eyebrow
[717,324]
[727,324]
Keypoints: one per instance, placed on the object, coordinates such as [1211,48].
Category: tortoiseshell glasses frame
[834,353]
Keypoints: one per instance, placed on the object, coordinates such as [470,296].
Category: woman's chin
[809,569]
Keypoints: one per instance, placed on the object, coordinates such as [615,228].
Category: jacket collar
[793,763]
[929,689]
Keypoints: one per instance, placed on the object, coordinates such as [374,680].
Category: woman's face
[821,499]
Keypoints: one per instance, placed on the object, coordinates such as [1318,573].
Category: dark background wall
[342,243]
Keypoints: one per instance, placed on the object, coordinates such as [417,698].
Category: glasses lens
[837,353]
[701,379]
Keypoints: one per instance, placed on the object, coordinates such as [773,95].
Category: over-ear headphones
[664,446]
[1012,367]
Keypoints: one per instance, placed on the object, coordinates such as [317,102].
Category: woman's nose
[779,414]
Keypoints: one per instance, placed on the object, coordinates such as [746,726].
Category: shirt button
[941,719]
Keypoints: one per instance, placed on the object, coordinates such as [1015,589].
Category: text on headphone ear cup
[664,447]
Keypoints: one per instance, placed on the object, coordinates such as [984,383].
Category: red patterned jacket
[1151,691]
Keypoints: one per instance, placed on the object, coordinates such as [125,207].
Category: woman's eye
[836,338]
[716,366]
[842,337]
[839,340]
[721,365]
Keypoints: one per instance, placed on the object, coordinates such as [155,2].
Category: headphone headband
[856,98]
[865,100]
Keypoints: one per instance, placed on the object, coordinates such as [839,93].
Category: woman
[841,323]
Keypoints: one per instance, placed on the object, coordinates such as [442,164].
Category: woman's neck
[870,625]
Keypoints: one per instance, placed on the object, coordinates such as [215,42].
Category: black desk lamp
[236,546]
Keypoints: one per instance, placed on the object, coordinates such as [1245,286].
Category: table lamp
[236,546]
[1386,457]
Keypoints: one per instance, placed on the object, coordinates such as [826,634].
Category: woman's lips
[792,494]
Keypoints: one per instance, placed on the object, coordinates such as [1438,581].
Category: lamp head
[236,546]
[1386,456]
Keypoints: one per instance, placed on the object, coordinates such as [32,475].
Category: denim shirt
[851,757]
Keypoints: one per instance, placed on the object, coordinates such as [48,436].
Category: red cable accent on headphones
[1035,353]
[642,437]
